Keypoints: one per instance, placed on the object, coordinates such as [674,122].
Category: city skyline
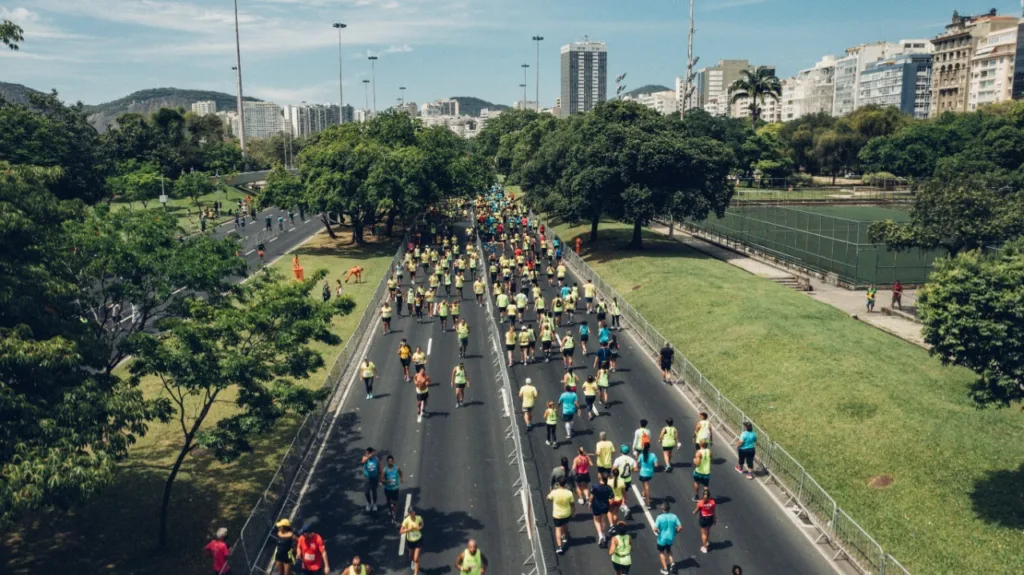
[98,51]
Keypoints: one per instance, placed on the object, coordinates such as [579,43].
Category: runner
[456,310]
[584,336]
[666,526]
[521,303]
[460,383]
[613,346]
[666,353]
[472,560]
[478,289]
[446,280]
[600,506]
[702,433]
[422,383]
[620,549]
[511,312]
[417,303]
[701,469]
[412,528]
[546,335]
[568,349]
[668,438]
[404,355]
[618,486]
[510,343]
[442,313]
[589,290]
[746,447]
[560,273]
[528,395]
[569,405]
[284,553]
[550,271]
[641,437]
[312,554]
[602,386]
[385,317]
[524,343]
[428,300]
[462,330]
[419,360]
[562,511]
[581,474]
[371,470]
[625,465]
[391,476]
[647,461]
[369,372]
[557,306]
[460,282]
[398,301]
[571,381]
[551,423]
[392,286]
[604,450]
[531,346]
[590,396]
[357,568]
[705,510]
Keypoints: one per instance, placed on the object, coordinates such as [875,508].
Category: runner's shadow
[998,497]
[720,500]
[381,395]
[719,545]
[475,402]
[432,414]
[687,563]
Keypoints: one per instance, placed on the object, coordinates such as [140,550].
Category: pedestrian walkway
[851,302]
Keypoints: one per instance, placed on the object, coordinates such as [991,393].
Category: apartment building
[951,63]
[992,69]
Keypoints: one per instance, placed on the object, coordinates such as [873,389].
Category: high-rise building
[711,86]
[584,76]
[444,107]
[903,81]
[848,73]
[308,119]
[262,120]
[410,108]
[811,91]
[204,108]
[992,69]
[951,62]
[664,102]
[524,105]
[1018,64]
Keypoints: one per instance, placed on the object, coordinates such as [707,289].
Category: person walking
[666,526]
[897,295]
[219,552]
[551,425]
[872,293]
[312,554]
[668,438]
[600,507]
[701,469]
[371,472]
[621,548]
[369,372]
[562,510]
[284,547]
[528,395]
[667,354]
[412,528]
[746,447]
[706,518]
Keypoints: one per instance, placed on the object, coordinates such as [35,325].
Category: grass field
[848,401]
[180,207]
[116,532]
[860,213]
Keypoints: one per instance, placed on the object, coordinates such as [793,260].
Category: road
[454,462]
[277,242]
[752,531]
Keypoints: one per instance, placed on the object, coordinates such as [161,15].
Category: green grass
[180,207]
[860,213]
[116,532]
[744,194]
[848,401]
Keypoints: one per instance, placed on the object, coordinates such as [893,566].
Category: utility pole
[238,77]
[538,40]
[526,71]
[341,94]
[690,63]
[373,73]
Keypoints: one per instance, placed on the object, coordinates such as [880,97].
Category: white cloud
[400,49]
[726,4]
[35,26]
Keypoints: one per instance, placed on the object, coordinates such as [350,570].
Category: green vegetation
[755,86]
[470,106]
[848,401]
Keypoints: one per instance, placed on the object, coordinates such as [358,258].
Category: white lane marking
[226,223]
[291,229]
[178,291]
[430,342]
[640,498]
[401,541]
[249,252]
[231,232]
[273,239]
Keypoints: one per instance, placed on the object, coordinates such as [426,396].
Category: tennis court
[825,239]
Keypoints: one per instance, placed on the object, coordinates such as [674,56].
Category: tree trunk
[357,230]
[833,178]
[185,449]
[594,221]
[390,225]
[637,243]
[326,219]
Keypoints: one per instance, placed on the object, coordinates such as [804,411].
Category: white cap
[528,380]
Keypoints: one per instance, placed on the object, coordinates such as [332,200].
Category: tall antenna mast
[690,62]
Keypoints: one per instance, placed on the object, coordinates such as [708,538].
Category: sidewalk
[850,302]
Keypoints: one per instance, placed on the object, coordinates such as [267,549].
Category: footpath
[848,301]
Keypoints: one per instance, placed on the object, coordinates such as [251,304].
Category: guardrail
[804,496]
[251,549]
[536,560]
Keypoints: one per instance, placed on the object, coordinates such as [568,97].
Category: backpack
[645,439]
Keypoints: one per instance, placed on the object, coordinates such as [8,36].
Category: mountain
[16,92]
[147,101]
[470,106]
[648,89]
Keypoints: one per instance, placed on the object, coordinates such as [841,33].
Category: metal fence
[817,242]
[797,183]
[823,195]
[804,496]
[250,553]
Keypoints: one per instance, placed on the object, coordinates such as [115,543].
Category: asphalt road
[277,242]
[454,462]
[752,531]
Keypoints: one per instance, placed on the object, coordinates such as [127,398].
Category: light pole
[238,79]
[401,90]
[366,90]
[341,98]
[373,73]
[523,86]
[538,39]
[526,70]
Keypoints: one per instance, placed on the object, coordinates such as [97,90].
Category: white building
[363,115]
[262,120]
[903,81]
[811,91]
[445,107]
[662,102]
[307,119]
[771,109]
[848,70]
[410,108]
[204,108]
[992,69]
[229,121]
[524,105]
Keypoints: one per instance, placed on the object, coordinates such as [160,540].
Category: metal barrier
[804,496]
[282,492]
[536,560]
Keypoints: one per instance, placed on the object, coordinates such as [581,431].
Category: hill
[15,92]
[147,101]
[648,89]
[471,106]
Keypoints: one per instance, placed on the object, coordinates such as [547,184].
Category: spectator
[897,295]
[666,353]
[218,549]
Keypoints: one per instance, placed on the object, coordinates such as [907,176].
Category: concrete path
[851,302]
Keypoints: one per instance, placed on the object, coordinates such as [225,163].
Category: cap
[284,523]
[624,448]
[528,380]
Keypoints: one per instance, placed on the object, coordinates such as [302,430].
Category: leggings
[551,432]
[746,457]
[368,382]
[371,491]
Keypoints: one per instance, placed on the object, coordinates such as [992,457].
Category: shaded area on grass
[998,497]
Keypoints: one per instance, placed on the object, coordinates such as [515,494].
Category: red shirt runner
[311,552]
[219,550]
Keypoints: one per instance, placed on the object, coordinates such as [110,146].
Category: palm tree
[756,85]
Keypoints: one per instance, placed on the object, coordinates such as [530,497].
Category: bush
[882,179]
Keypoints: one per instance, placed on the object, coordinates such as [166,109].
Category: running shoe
[703,549]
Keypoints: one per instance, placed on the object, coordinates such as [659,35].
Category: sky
[99,50]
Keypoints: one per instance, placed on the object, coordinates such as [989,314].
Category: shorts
[391,494]
[464,341]
[665,365]
[567,417]
[510,347]
[601,316]
[604,365]
[562,522]
[528,409]
[405,361]
[590,399]
[667,448]
[599,510]
[746,456]
[387,320]
[701,478]
[460,386]
[621,569]
[410,545]
[569,352]
[585,338]
[545,345]
[644,479]
[422,396]
[706,522]
[665,548]
[606,471]
[590,300]
[419,367]
[305,571]
[582,478]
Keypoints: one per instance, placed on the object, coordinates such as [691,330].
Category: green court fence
[819,243]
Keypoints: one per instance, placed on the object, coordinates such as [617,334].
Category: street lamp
[526,69]
[238,79]
[341,99]
[523,86]
[366,89]
[373,72]
[538,39]
[402,91]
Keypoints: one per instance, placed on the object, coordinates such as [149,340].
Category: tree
[755,86]
[962,214]
[194,185]
[282,188]
[489,138]
[835,150]
[254,341]
[11,34]
[971,308]
[141,185]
